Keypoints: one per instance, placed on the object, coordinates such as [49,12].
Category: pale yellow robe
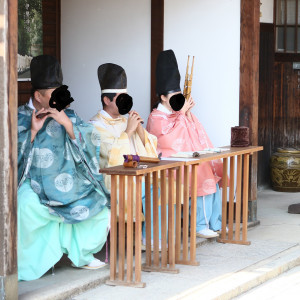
[115,143]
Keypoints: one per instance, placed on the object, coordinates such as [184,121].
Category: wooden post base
[188,262]
[225,241]
[159,269]
[124,283]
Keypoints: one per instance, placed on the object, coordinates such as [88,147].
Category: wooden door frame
[8,143]
[249,75]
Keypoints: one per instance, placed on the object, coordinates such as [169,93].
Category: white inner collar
[105,114]
[30,104]
[162,108]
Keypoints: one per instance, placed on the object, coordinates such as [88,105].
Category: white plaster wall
[266,10]
[94,32]
[209,30]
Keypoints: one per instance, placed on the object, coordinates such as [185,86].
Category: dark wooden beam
[157,40]
[51,27]
[249,84]
[8,151]
[265,105]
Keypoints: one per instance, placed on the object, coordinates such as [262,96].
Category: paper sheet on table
[189,154]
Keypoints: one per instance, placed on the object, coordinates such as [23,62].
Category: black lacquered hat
[45,72]
[167,73]
[112,79]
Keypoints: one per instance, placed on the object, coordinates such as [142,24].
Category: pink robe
[176,133]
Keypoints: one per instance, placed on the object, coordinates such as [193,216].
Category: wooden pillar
[157,40]
[8,149]
[249,85]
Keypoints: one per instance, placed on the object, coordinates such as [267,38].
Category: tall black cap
[167,73]
[112,78]
[45,72]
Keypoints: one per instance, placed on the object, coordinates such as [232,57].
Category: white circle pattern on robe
[80,212]
[95,137]
[54,129]
[209,186]
[35,186]
[64,182]
[42,158]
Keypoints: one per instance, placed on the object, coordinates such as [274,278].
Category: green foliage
[30,31]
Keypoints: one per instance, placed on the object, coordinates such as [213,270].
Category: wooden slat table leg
[121,227]
[155,267]
[230,239]
[155,221]
[113,243]
[171,225]
[186,218]
[178,213]
[138,229]
[113,228]
[231,199]
[129,228]
[238,198]
[148,219]
[224,201]
[164,260]
[193,216]
[185,229]
[245,198]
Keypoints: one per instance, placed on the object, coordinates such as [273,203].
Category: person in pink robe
[178,130]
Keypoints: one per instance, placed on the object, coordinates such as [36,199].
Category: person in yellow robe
[120,135]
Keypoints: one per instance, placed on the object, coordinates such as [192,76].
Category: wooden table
[242,156]
[167,248]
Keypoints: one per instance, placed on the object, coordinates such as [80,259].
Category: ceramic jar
[285,170]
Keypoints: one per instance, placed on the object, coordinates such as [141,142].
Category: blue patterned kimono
[64,173]
[63,206]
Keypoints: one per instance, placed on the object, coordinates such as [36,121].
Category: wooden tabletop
[164,164]
[231,152]
[151,167]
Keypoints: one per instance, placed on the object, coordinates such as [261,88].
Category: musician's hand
[133,122]
[37,121]
[191,105]
[61,118]
[188,104]
[140,131]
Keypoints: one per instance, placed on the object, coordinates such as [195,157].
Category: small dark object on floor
[294,208]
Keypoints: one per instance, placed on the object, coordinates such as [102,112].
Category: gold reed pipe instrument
[187,88]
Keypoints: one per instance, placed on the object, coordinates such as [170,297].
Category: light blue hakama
[43,237]
[209,210]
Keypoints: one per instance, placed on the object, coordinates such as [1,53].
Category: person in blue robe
[63,205]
